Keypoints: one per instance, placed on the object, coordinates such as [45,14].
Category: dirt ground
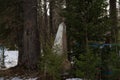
[22,73]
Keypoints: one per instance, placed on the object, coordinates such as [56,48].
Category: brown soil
[19,72]
[23,73]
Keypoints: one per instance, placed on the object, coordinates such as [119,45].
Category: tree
[31,41]
[11,32]
[86,23]
[113,18]
[83,67]
[11,23]
[21,27]
[51,64]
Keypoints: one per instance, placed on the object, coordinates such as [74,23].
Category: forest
[62,39]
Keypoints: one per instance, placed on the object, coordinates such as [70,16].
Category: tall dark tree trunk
[20,47]
[44,31]
[19,30]
[55,18]
[52,29]
[46,25]
[31,43]
[113,18]
[114,35]
[69,45]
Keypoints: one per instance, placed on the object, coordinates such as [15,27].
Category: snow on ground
[11,58]
[73,79]
[17,78]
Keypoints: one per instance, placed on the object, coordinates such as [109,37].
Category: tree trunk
[113,18]
[55,18]
[20,46]
[31,43]
[19,31]
[46,25]
[114,33]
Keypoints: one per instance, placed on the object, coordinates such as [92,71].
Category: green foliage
[90,14]
[104,62]
[87,65]
[114,65]
[86,20]
[51,63]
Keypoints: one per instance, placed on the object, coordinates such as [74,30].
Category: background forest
[92,37]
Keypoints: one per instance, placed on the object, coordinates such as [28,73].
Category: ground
[17,72]
[22,74]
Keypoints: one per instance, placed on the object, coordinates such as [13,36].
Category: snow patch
[17,78]
[10,58]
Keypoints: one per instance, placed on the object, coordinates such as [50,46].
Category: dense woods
[91,35]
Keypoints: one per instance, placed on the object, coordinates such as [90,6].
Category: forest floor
[17,73]
[20,74]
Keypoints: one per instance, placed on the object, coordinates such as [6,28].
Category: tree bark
[55,18]
[31,43]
